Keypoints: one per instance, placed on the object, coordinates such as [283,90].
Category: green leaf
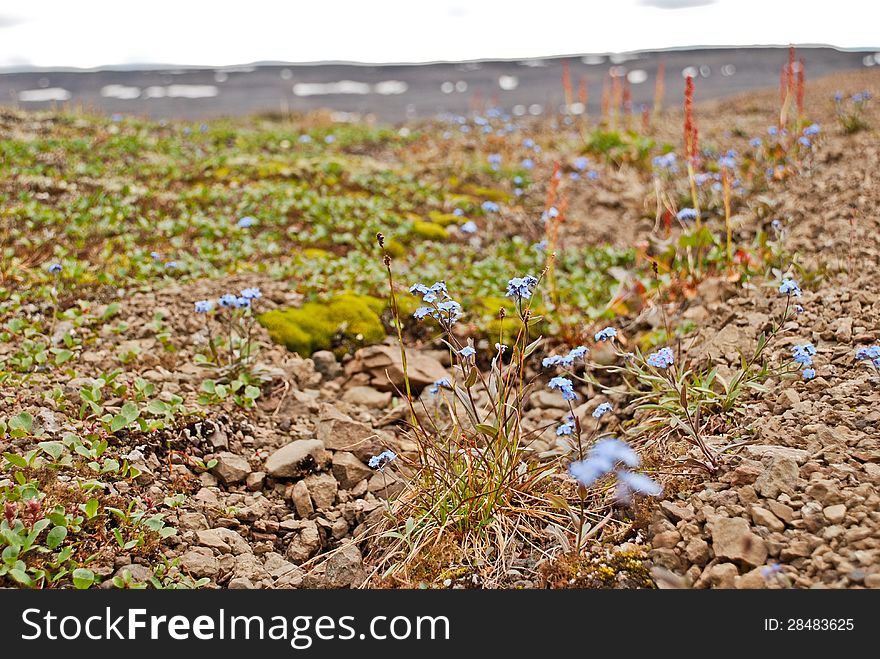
[252,392]
[61,355]
[490,431]
[157,406]
[16,460]
[90,508]
[52,448]
[130,411]
[83,578]
[20,576]
[56,537]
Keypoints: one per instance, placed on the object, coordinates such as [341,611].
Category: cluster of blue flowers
[564,386]
[871,353]
[601,410]
[567,427]
[54,268]
[521,288]
[607,456]
[442,382]
[495,161]
[566,360]
[686,214]
[667,162]
[663,358]
[468,227]
[467,352]
[379,461]
[789,287]
[247,222]
[606,334]
[444,309]
[243,300]
[803,355]
[490,207]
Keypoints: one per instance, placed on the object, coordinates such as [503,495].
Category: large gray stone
[297,459]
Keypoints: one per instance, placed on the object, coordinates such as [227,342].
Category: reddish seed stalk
[659,88]
[583,94]
[605,100]
[566,84]
[627,102]
[690,129]
[801,74]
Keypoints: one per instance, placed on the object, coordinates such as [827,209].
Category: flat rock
[835,514]
[759,451]
[340,432]
[231,468]
[781,476]
[224,540]
[383,365]
[299,458]
[733,540]
[348,470]
[763,517]
[345,568]
[367,397]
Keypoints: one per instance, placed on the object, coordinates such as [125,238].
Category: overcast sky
[90,33]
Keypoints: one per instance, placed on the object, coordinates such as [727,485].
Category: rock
[342,433]
[547,399]
[666,539]
[322,489]
[345,568]
[677,512]
[745,474]
[872,580]
[733,540]
[787,399]
[231,468]
[191,522]
[835,514]
[200,562]
[367,397]
[305,544]
[751,580]
[697,551]
[348,470]
[665,558]
[759,451]
[763,517]
[298,458]
[844,331]
[224,540]
[299,494]
[382,364]
[255,481]
[721,575]
[326,364]
[241,583]
[136,573]
[783,512]
[781,476]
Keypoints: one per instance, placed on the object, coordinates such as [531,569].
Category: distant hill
[395,92]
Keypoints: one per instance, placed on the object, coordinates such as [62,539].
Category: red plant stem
[800,88]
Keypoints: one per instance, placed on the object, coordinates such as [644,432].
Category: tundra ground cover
[571,359]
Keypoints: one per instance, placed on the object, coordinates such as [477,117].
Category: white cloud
[225,32]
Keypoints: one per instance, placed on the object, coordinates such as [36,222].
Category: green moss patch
[342,323]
